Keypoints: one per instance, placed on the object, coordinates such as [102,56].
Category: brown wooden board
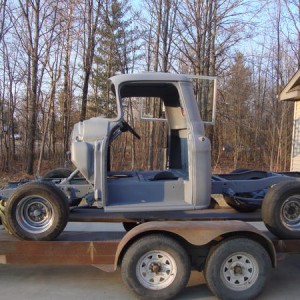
[71,248]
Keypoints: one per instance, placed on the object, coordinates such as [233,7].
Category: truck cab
[184,183]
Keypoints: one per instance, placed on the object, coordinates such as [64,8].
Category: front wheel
[281,210]
[237,269]
[156,267]
[37,211]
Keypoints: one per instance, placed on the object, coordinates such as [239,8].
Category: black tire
[241,207]
[281,210]
[58,173]
[156,251]
[237,268]
[37,211]
[130,225]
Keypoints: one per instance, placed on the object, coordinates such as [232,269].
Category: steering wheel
[126,127]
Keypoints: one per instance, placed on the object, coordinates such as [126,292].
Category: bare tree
[293,7]
[35,26]
[91,22]
[3,4]
[54,72]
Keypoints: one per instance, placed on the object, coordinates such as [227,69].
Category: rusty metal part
[72,248]
[195,232]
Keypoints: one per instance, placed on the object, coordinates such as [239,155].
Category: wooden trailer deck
[70,248]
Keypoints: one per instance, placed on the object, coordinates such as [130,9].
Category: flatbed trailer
[92,248]
[148,254]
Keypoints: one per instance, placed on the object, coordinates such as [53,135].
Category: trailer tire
[156,267]
[37,211]
[281,210]
[237,268]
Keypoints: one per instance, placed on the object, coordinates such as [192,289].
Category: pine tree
[114,54]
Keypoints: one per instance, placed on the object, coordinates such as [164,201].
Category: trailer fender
[197,233]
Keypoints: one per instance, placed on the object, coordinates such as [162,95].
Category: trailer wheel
[281,210]
[37,211]
[241,207]
[156,266]
[237,269]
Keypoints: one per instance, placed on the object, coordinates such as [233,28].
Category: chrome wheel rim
[35,214]
[239,271]
[156,270]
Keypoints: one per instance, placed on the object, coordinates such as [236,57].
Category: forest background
[56,56]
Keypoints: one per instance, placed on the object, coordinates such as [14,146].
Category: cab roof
[149,76]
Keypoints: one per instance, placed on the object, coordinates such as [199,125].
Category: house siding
[295,161]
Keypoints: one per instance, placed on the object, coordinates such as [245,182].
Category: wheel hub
[34,214]
[237,270]
[291,212]
[156,270]
[155,267]
[37,212]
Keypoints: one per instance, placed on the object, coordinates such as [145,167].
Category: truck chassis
[244,190]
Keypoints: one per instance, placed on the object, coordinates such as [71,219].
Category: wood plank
[71,248]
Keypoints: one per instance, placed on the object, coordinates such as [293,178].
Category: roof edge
[291,92]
